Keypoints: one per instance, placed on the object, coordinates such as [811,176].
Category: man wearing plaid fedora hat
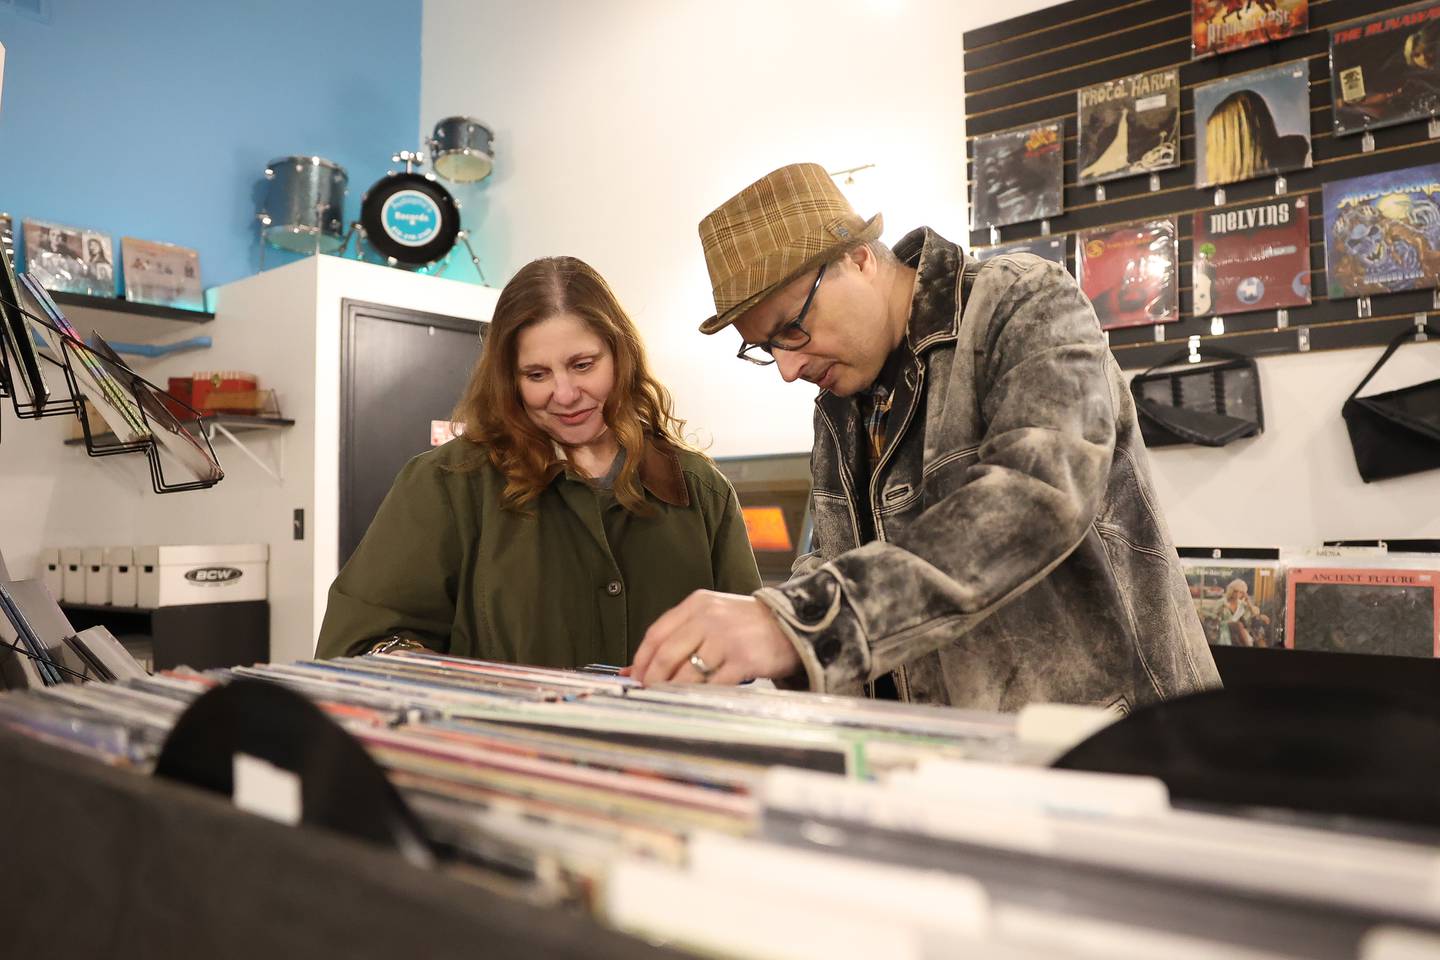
[986,531]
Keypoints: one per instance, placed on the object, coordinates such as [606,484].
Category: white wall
[619,125]
[1296,484]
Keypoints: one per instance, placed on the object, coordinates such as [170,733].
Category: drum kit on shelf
[408,218]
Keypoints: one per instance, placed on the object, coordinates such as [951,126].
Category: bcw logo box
[174,575]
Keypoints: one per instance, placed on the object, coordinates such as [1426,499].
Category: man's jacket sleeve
[1023,506]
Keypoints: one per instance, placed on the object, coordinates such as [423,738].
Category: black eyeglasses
[791,336]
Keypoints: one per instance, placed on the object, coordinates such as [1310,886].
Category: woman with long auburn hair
[566,517]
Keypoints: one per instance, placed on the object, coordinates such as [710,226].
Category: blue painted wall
[156,118]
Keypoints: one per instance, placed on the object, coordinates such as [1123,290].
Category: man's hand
[736,638]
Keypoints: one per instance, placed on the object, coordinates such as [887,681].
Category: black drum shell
[372,222]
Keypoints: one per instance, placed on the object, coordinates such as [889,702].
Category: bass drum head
[410,218]
[464,166]
[461,149]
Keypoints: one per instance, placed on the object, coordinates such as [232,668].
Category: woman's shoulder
[703,471]
[456,458]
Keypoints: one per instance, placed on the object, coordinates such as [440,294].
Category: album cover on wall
[1252,257]
[1382,232]
[1129,274]
[1241,604]
[1385,69]
[1048,248]
[1252,124]
[1129,126]
[69,259]
[7,235]
[1376,610]
[162,273]
[1018,175]
[1219,26]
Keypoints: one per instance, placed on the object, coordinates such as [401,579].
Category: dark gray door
[399,370]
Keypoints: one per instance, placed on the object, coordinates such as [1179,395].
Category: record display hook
[1420,327]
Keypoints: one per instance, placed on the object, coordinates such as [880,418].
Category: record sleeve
[70,259]
[1252,124]
[1385,68]
[1382,232]
[1240,604]
[95,381]
[16,331]
[162,273]
[1252,257]
[1129,126]
[1018,175]
[1129,274]
[1048,248]
[1376,610]
[1218,26]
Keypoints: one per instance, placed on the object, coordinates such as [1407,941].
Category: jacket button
[614,588]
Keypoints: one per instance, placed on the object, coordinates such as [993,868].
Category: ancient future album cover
[1219,26]
[1382,232]
[1049,248]
[1375,610]
[1252,124]
[1385,69]
[1129,274]
[1252,257]
[1129,126]
[1018,175]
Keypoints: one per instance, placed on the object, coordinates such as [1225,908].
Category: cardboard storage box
[51,573]
[124,579]
[171,576]
[72,572]
[97,576]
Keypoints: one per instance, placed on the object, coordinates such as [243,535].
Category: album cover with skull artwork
[1252,257]
[1382,232]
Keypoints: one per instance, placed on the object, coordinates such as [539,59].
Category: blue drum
[462,149]
[304,205]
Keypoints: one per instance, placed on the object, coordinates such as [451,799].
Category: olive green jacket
[577,580]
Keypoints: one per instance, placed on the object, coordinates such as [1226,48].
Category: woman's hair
[1235,588]
[1240,138]
[494,415]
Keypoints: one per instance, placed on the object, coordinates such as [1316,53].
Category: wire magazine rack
[141,415]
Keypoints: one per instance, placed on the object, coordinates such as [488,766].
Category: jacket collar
[935,307]
[660,472]
[662,475]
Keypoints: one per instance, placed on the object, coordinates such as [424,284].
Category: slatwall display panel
[1029,70]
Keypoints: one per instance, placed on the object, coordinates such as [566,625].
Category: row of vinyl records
[1384,71]
[754,822]
[1339,600]
[1382,235]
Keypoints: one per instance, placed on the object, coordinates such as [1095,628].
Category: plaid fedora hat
[785,223]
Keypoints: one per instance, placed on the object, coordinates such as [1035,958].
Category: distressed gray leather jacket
[1008,547]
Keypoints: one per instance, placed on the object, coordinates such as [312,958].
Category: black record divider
[72,403]
[1029,69]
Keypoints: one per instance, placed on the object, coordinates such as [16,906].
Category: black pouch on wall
[1210,403]
[1396,433]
